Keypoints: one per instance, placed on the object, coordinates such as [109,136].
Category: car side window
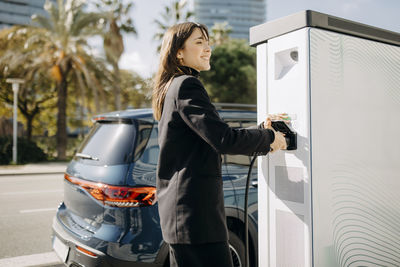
[144,169]
[150,154]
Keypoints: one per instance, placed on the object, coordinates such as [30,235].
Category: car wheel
[237,249]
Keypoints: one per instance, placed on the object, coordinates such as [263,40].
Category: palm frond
[43,22]
[52,10]
[189,14]
[83,21]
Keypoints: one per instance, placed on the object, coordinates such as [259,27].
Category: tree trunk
[29,121]
[62,120]
[29,116]
[62,87]
[117,86]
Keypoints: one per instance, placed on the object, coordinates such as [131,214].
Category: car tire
[237,249]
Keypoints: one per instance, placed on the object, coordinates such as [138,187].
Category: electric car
[109,214]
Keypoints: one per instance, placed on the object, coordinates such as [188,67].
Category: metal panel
[289,183]
[308,18]
[285,178]
[355,103]
[289,239]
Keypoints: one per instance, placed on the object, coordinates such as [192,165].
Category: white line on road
[31,260]
[31,192]
[37,210]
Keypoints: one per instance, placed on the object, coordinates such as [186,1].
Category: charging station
[335,200]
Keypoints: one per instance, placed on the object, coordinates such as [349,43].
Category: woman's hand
[276,117]
[280,141]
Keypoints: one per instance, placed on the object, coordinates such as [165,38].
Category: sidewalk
[34,168]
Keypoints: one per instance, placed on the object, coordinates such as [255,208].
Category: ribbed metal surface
[355,86]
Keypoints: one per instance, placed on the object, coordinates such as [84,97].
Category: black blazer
[192,138]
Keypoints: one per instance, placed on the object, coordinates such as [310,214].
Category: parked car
[109,215]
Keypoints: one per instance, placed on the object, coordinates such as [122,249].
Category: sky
[140,52]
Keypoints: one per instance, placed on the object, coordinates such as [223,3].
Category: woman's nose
[207,48]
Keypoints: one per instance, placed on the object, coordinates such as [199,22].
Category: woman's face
[196,52]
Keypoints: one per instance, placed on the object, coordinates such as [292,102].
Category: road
[28,204]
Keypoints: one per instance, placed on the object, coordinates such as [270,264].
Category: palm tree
[176,13]
[58,44]
[117,20]
[220,33]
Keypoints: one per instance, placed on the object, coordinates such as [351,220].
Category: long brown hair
[173,40]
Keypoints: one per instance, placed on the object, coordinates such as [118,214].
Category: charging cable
[246,217]
[282,126]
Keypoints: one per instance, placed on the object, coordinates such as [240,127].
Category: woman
[192,138]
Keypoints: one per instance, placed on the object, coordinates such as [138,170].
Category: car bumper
[69,253]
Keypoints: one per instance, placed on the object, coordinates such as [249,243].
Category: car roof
[148,112]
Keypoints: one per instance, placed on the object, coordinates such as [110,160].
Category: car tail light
[98,118]
[87,252]
[117,196]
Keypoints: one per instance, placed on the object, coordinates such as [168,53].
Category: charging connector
[290,134]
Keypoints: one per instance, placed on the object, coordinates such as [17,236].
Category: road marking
[31,192]
[37,210]
[31,260]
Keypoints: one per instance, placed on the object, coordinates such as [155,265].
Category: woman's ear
[179,55]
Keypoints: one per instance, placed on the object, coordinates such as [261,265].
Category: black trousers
[200,255]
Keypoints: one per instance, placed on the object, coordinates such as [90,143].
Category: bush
[27,151]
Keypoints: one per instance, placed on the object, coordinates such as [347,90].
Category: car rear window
[110,142]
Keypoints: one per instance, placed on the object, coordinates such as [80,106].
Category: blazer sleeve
[200,115]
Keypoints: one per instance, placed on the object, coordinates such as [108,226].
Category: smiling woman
[189,184]
[196,51]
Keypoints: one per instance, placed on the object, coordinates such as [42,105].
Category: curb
[41,259]
[31,173]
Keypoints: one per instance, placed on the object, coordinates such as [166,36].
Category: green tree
[33,98]
[117,21]
[136,92]
[36,94]
[232,77]
[59,45]
[176,13]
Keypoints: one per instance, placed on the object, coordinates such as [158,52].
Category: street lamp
[15,87]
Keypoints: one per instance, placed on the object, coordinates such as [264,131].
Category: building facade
[240,14]
[19,12]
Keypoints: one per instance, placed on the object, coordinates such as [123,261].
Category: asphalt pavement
[46,259]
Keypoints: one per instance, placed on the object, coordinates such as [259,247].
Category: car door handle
[254,183]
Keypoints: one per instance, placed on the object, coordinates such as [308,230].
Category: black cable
[246,219]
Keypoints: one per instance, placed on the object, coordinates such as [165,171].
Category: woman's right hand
[280,140]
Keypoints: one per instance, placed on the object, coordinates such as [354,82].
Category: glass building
[240,14]
[19,12]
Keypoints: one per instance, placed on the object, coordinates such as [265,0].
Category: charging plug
[290,134]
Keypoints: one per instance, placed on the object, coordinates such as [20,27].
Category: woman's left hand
[275,117]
